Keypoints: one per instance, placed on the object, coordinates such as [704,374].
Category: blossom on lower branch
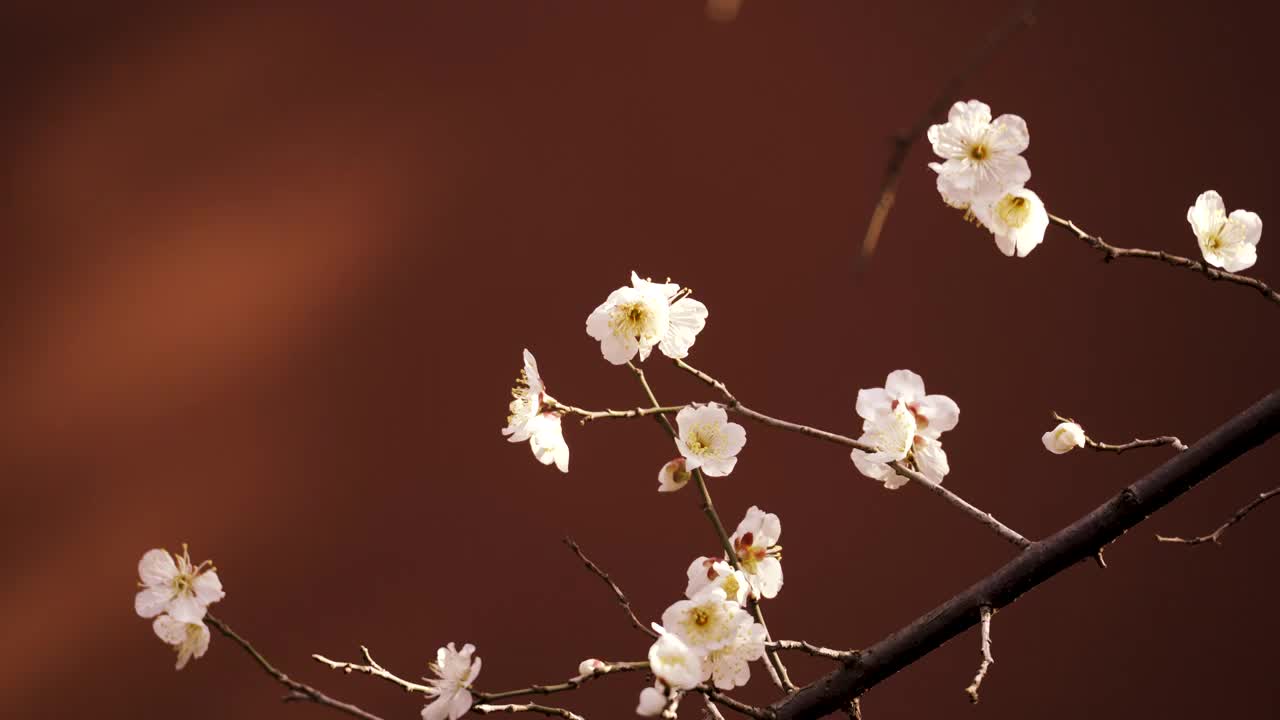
[189,639]
[455,672]
[1016,218]
[1226,241]
[528,420]
[903,425]
[176,586]
[707,439]
[1067,436]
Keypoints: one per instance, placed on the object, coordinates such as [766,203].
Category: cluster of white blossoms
[632,320]
[903,425]
[983,172]
[1226,241]
[177,594]
[530,420]
[710,635]
[455,671]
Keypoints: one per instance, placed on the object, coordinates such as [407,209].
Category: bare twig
[903,142]
[736,705]
[1111,252]
[713,712]
[573,683]
[855,709]
[617,591]
[527,707]
[375,670]
[298,692]
[811,649]
[972,690]
[985,518]
[1131,445]
[1215,537]
[1078,541]
[589,415]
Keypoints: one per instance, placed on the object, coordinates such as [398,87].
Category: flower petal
[157,567]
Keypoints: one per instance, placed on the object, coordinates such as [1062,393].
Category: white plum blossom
[934,414]
[903,425]
[653,700]
[175,586]
[673,476]
[591,666]
[529,420]
[707,622]
[673,661]
[729,667]
[1016,218]
[708,572]
[455,672]
[633,320]
[1226,241]
[755,542]
[1064,438]
[189,639]
[708,440]
[981,157]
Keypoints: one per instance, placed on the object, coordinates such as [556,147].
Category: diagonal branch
[1215,537]
[1111,252]
[617,591]
[1076,542]
[297,691]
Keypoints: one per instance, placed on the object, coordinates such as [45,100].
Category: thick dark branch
[1079,541]
[1215,537]
[1111,252]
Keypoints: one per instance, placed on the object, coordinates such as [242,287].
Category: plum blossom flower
[654,700]
[755,542]
[189,639]
[1064,438]
[175,586]
[633,320]
[903,425]
[707,622]
[672,660]
[591,666]
[673,476]
[934,414]
[455,671]
[981,157]
[529,420]
[1226,241]
[708,572]
[708,440]
[1016,218]
[729,667]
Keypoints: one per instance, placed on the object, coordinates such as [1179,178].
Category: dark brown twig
[1215,537]
[298,692]
[617,591]
[1111,252]
[1076,542]
[903,142]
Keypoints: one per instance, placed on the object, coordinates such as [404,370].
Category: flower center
[182,585]
[1214,241]
[978,152]
[731,587]
[631,319]
[701,617]
[1013,210]
[702,439]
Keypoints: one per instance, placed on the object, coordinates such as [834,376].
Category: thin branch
[811,649]
[1076,542]
[1131,445]
[972,690]
[777,670]
[903,142]
[712,711]
[573,683]
[589,415]
[854,710]
[528,707]
[1111,252]
[1215,537]
[736,705]
[984,517]
[617,591]
[297,691]
[375,670]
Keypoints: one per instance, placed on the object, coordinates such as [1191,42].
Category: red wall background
[267,274]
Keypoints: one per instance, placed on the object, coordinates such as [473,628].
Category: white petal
[767,579]
[157,567]
[151,601]
[652,702]
[718,467]
[904,385]
[208,588]
[940,412]
[687,318]
[1250,224]
[169,630]
[872,402]
[1009,134]
[931,459]
[460,704]
[186,608]
[438,709]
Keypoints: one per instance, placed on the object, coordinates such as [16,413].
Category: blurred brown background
[267,274]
